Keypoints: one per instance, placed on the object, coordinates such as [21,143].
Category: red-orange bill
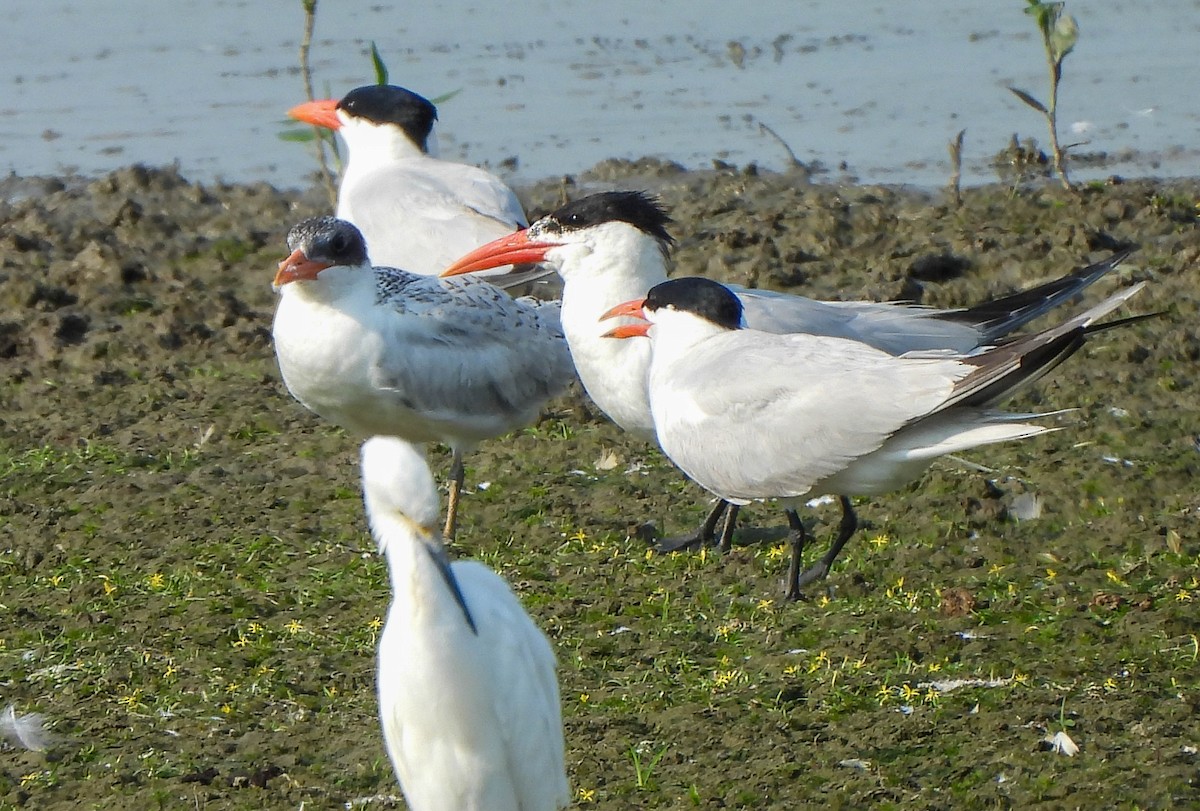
[513,249]
[298,267]
[321,113]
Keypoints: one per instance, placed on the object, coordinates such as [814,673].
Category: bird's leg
[820,570]
[798,537]
[701,536]
[457,475]
[727,528]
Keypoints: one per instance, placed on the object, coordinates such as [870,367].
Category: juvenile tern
[380,351]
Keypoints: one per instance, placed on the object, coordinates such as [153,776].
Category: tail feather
[1003,370]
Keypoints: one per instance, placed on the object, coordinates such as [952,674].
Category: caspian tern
[799,415]
[416,212]
[614,246]
[468,695]
[381,351]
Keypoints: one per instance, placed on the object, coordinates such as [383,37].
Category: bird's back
[421,213]
[454,360]
[752,415]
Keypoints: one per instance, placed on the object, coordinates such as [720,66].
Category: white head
[398,488]
[318,244]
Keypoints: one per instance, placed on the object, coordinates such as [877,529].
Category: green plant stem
[1060,165]
[310,22]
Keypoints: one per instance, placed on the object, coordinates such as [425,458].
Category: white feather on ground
[25,731]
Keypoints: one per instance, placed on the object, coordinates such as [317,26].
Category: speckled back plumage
[381,351]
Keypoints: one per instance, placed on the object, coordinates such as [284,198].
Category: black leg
[701,536]
[727,529]
[847,528]
[798,537]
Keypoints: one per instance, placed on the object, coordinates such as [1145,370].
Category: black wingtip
[999,317]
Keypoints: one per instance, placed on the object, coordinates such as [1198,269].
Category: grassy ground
[189,594]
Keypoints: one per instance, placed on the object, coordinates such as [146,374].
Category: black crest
[641,210]
[389,104]
[711,301]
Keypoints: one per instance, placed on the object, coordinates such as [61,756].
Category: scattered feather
[25,731]
[905,709]
[949,685]
[1116,460]
[1118,412]
[1174,541]
[818,501]
[205,435]
[384,800]
[855,763]
[1026,507]
[1061,743]
[484,485]
[608,460]
[968,464]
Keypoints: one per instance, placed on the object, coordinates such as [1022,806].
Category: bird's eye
[338,243]
[573,219]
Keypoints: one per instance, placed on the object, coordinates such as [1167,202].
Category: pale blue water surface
[90,85]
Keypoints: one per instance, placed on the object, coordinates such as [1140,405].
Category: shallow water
[879,86]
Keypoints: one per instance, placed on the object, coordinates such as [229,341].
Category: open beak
[298,268]
[629,309]
[514,249]
[321,113]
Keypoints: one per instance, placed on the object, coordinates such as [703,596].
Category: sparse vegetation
[192,599]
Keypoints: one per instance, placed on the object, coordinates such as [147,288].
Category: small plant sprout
[1060,741]
[643,771]
[955,148]
[1059,34]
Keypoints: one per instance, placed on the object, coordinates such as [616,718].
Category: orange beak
[321,113]
[298,268]
[514,249]
[629,309]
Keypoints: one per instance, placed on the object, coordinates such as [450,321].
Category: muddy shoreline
[190,597]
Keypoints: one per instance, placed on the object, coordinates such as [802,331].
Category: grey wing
[771,418]
[465,347]
[894,328]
